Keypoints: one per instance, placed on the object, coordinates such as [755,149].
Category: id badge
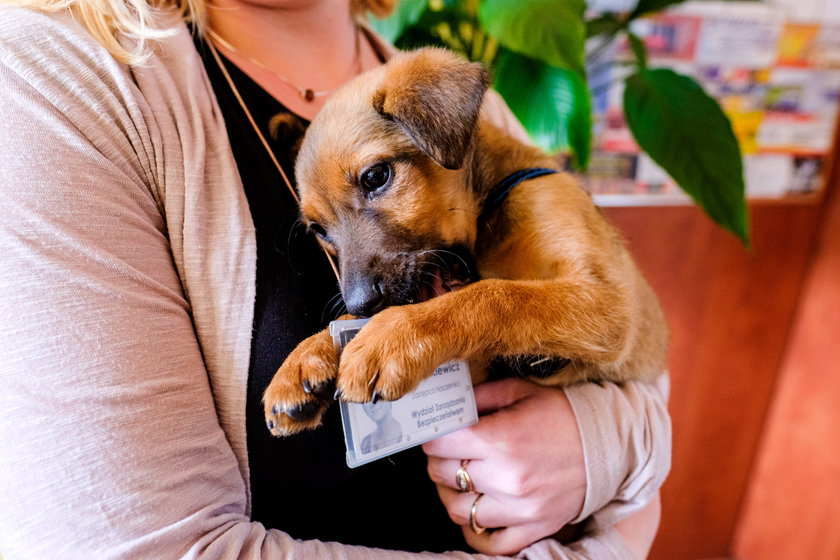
[442,403]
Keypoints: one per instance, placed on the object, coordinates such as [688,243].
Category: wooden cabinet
[792,506]
[749,335]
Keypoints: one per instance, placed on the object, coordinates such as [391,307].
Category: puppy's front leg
[400,346]
[303,387]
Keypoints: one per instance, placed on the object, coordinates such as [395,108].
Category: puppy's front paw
[389,357]
[303,387]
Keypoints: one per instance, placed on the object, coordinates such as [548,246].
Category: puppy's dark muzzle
[365,298]
[411,278]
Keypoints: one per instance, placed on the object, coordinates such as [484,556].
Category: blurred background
[754,364]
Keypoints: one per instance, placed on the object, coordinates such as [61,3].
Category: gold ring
[476,528]
[462,478]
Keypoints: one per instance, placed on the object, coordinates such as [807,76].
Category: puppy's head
[383,176]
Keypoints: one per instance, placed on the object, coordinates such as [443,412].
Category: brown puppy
[397,177]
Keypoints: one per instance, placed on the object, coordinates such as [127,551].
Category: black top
[301,484]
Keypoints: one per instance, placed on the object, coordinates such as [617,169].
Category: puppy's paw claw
[304,412]
[324,390]
[302,389]
[287,419]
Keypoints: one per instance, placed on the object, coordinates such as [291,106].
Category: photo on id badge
[442,403]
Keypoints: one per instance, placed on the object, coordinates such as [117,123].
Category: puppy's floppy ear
[435,97]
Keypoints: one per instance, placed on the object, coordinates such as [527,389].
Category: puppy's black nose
[364,298]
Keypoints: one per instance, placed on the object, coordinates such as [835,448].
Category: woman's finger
[444,472]
[507,530]
[507,541]
[452,473]
[466,443]
[493,395]
[489,512]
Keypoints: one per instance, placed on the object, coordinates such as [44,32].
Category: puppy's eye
[376,177]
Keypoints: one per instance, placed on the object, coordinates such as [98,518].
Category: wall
[755,376]
[730,310]
[792,509]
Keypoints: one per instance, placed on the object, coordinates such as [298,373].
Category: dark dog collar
[500,192]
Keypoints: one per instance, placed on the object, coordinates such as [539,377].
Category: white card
[441,404]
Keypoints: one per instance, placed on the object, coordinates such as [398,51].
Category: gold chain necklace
[307,94]
[264,142]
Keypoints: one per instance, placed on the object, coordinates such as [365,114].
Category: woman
[155,279]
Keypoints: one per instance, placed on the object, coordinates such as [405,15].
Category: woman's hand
[525,457]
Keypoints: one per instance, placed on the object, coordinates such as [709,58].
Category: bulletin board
[777,79]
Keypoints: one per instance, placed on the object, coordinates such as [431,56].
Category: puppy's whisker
[456,255]
[338,309]
[335,300]
[439,266]
[427,282]
[425,275]
[333,308]
[443,265]
[294,230]
[438,252]
[296,226]
[329,308]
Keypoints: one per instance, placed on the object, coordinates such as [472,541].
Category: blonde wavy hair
[109,21]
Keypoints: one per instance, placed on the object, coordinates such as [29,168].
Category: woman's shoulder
[16,21]
[50,68]
[37,45]
[52,60]
[51,56]
[153,121]
[32,36]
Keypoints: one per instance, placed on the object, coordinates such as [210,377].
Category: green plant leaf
[406,13]
[416,36]
[428,29]
[553,104]
[639,50]
[549,30]
[605,24]
[686,132]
